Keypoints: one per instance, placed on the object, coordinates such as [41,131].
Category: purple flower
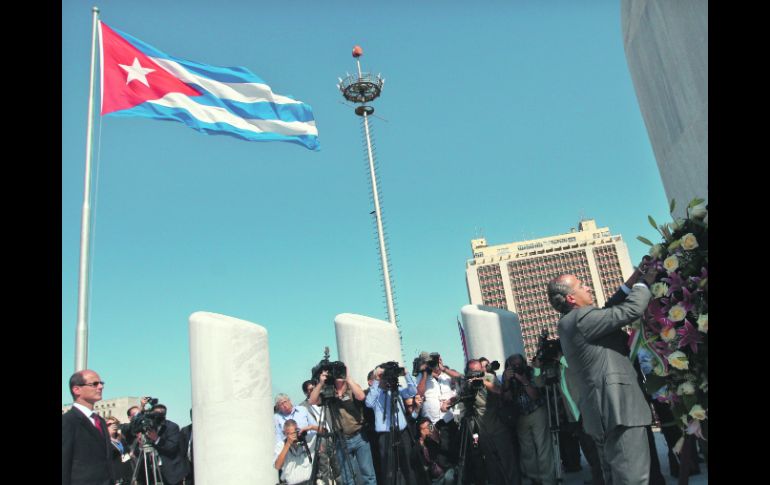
[689,336]
[675,282]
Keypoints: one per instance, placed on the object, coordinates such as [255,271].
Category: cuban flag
[139,80]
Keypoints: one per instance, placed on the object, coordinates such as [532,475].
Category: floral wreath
[671,340]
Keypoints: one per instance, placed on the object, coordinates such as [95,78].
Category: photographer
[164,435]
[437,457]
[384,390]
[491,456]
[285,410]
[294,455]
[532,430]
[347,398]
[436,385]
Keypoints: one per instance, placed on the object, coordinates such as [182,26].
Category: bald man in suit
[615,411]
[85,452]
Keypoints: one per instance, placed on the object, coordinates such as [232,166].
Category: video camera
[145,421]
[548,355]
[336,370]
[391,371]
[492,366]
[431,363]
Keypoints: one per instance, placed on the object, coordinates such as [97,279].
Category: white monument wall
[491,332]
[365,342]
[232,401]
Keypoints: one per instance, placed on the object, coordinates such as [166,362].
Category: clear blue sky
[507,119]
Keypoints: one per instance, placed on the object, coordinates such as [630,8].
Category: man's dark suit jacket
[85,453]
[173,464]
[597,355]
[186,433]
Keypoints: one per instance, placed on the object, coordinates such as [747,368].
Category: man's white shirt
[297,466]
[437,389]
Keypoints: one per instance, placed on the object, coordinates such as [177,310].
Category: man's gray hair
[282,397]
[557,295]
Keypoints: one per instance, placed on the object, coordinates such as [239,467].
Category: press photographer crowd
[518,423]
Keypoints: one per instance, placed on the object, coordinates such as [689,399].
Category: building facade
[514,276]
[117,407]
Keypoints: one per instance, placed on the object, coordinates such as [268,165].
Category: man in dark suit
[167,441]
[186,448]
[615,411]
[85,443]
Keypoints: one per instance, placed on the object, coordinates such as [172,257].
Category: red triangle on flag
[130,78]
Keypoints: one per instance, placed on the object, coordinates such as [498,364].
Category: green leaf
[674,244]
[654,382]
[644,240]
[652,222]
[673,204]
[689,401]
[695,202]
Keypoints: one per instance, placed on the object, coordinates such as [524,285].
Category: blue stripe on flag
[157,112]
[261,110]
[224,74]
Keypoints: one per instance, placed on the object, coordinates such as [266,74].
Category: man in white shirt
[294,460]
[435,385]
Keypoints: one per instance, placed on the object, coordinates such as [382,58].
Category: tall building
[514,276]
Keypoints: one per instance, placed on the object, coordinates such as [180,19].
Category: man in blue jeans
[348,401]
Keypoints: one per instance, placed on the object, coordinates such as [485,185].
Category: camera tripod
[148,456]
[394,466]
[470,426]
[330,415]
[552,396]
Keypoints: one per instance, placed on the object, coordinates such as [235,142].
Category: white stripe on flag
[215,114]
[243,92]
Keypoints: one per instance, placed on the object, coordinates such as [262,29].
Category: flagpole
[81,332]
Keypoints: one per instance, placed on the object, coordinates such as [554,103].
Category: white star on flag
[137,72]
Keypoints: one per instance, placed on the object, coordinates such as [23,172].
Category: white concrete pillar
[491,332]
[232,401]
[365,342]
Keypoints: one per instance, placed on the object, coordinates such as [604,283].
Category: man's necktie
[98,423]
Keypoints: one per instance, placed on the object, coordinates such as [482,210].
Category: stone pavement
[584,476]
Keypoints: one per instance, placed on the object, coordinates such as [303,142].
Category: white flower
[689,242]
[677,224]
[699,211]
[685,388]
[671,263]
[704,386]
[656,251]
[677,313]
[678,360]
[659,370]
[698,412]
[659,289]
[703,323]
[668,333]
